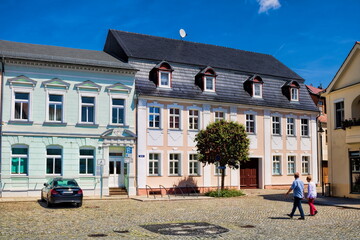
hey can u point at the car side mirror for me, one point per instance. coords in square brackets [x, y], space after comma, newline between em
[45, 184]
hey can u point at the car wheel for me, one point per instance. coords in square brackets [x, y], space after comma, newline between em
[42, 198]
[48, 204]
[79, 204]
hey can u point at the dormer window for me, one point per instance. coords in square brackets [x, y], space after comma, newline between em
[254, 86]
[161, 75]
[206, 79]
[291, 90]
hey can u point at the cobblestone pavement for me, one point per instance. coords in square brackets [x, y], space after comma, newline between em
[255, 216]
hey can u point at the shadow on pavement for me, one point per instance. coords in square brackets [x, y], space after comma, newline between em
[57, 206]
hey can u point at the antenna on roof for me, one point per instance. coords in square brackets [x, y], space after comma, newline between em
[182, 33]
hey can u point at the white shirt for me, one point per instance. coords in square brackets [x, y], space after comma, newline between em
[311, 190]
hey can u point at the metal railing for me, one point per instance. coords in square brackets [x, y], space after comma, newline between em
[177, 187]
[151, 191]
[193, 189]
[166, 191]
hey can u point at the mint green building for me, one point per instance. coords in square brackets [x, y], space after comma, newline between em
[65, 112]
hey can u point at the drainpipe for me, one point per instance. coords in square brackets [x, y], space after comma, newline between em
[1, 114]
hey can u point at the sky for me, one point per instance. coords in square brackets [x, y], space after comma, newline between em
[312, 37]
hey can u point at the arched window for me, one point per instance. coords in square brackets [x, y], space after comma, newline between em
[161, 75]
[19, 159]
[206, 79]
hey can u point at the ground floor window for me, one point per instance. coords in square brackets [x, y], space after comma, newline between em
[53, 161]
[19, 160]
[291, 165]
[194, 164]
[174, 164]
[276, 165]
[86, 161]
[154, 159]
[355, 171]
[305, 165]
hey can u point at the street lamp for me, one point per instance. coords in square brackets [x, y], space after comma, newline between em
[320, 131]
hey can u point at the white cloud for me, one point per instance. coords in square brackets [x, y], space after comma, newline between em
[266, 5]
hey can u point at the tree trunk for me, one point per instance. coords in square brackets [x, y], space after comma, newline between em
[222, 178]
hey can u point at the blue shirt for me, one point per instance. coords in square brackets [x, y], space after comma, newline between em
[298, 188]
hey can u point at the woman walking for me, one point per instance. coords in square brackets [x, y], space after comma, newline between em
[311, 195]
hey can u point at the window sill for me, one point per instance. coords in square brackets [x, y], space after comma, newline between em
[277, 175]
[251, 133]
[305, 136]
[90, 125]
[194, 175]
[276, 135]
[19, 122]
[291, 136]
[16, 175]
[54, 124]
[118, 125]
[193, 130]
[154, 175]
[173, 175]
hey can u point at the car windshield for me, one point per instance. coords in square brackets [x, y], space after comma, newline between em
[65, 183]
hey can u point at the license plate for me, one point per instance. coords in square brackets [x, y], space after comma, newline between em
[67, 192]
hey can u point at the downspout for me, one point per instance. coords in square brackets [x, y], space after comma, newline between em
[136, 142]
[1, 115]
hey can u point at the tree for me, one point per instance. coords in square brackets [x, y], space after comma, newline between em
[225, 143]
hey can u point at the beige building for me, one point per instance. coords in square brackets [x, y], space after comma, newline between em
[343, 106]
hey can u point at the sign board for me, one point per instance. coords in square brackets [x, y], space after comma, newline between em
[220, 167]
[128, 160]
[141, 156]
[101, 162]
[128, 150]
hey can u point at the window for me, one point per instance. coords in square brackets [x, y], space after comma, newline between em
[118, 111]
[53, 161]
[290, 122]
[193, 119]
[276, 165]
[304, 127]
[209, 83]
[194, 165]
[174, 164]
[291, 165]
[276, 127]
[87, 109]
[339, 114]
[355, 171]
[164, 79]
[19, 160]
[86, 161]
[22, 106]
[174, 118]
[257, 90]
[154, 117]
[219, 115]
[154, 161]
[55, 108]
[305, 165]
[250, 123]
[294, 96]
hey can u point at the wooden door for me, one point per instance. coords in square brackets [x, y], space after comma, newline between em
[325, 171]
[249, 174]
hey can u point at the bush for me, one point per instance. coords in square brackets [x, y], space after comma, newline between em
[225, 193]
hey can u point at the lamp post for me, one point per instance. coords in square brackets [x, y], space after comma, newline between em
[320, 131]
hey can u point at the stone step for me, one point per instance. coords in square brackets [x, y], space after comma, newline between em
[117, 191]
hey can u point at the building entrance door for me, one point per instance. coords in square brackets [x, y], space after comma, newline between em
[116, 172]
[249, 174]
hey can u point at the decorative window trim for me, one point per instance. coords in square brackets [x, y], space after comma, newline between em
[181, 108]
[88, 85]
[251, 82]
[56, 83]
[118, 88]
[200, 79]
[161, 108]
[17, 89]
[117, 96]
[155, 74]
[21, 81]
[198, 118]
[287, 90]
[55, 92]
[87, 94]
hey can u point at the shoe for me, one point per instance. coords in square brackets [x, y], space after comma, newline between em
[290, 215]
[312, 215]
[301, 218]
[315, 213]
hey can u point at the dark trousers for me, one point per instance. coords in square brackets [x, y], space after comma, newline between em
[297, 204]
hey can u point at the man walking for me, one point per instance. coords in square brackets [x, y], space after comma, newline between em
[298, 188]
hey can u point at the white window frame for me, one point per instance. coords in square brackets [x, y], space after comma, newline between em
[150, 171]
[249, 122]
[13, 100]
[114, 96]
[305, 127]
[191, 119]
[254, 86]
[341, 110]
[171, 170]
[289, 162]
[275, 123]
[213, 83]
[81, 105]
[276, 159]
[168, 73]
[87, 157]
[61, 93]
[173, 117]
[191, 167]
[53, 158]
[291, 127]
[19, 156]
[294, 94]
[305, 162]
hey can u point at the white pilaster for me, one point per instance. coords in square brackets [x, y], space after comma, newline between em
[141, 146]
[233, 113]
[314, 149]
[207, 169]
[266, 161]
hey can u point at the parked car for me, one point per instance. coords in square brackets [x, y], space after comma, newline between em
[62, 190]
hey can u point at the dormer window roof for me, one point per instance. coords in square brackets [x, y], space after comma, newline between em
[291, 90]
[254, 86]
[161, 75]
[206, 79]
